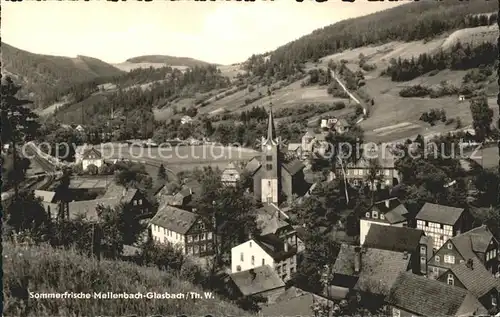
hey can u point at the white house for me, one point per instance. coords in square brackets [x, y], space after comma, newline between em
[266, 250]
[389, 212]
[182, 228]
[92, 157]
[186, 119]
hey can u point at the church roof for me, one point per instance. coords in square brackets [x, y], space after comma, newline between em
[294, 166]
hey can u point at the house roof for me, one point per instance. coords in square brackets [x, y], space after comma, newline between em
[46, 196]
[300, 305]
[474, 241]
[275, 247]
[92, 153]
[378, 271]
[294, 166]
[294, 146]
[258, 280]
[87, 208]
[175, 219]
[428, 297]
[394, 211]
[253, 165]
[393, 238]
[439, 214]
[270, 220]
[477, 280]
[117, 191]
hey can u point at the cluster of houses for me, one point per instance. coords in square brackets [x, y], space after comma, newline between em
[424, 264]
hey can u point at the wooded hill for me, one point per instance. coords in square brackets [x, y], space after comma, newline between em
[40, 74]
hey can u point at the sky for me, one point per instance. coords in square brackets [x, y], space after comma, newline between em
[219, 32]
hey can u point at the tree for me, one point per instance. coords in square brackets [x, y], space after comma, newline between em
[27, 214]
[482, 117]
[374, 175]
[229, 209]
[162, 173]
[18, 122]
[92, 169]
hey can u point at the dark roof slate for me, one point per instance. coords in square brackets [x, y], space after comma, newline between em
[477, 280]
[264, 279]
[175, 219]
[428, 297]
[393, 238]
[439, 214]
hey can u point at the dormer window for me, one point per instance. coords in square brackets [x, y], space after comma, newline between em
[367, 215]
[382, 217]
[449, 246]
[450, 279]
[374, 214]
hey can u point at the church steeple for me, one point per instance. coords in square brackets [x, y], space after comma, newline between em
[271, 130]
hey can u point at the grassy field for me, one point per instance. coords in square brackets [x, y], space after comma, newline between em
[47, 270]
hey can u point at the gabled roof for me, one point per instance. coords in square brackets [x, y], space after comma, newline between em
[393, 238]
[294, 166]
[378, 270]
[253, 165]
[474, 241]
[46, 196]
[88, 208]
[439, 214]
[476, 279]
[275, 247]
[428, 297]
[117, 191]
[258, 280]
[92, 153]
[269, 219]
[394, 211]
[175, 219]
[294, 302]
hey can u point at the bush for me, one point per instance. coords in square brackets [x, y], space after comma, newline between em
[415, 91]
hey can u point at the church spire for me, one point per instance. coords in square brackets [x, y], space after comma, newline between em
[271, 131]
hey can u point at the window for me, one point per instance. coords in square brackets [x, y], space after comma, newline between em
[422, 259]
[487, 256]
[202, 248]
[202, 236]
[177, 236]
[396, 312]
[250, 244]
[382, 217]
[437, 259]
[435, 270]
[423, 250]
[140, 201]
[195, 238]
[269, 183]
[190, 250]
[292, 270]
[190, 239]
[164, 231]
[367, 215]
[263, 261]
[462, 261]
[209, 236]
[449, 246]
[135, 202]
[374, 214]
[450, 279]
[269, 167]
[269, 158]
[238, 268]
[253, 260]
[449, 259]
[283, 277]
[196, 249]
[165, 240]
[241, 257]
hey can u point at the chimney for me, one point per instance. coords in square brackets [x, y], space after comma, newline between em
[285, 246]
[387, 203]
[253, 274]
[357, 259]
[470, 264]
